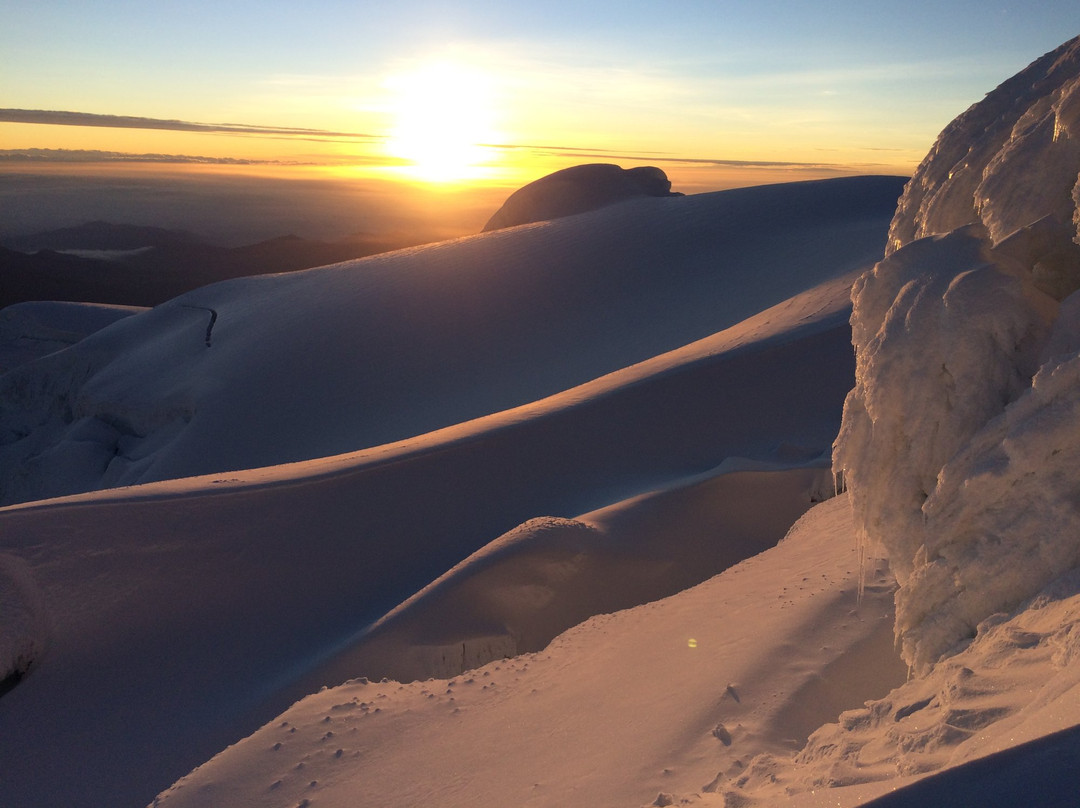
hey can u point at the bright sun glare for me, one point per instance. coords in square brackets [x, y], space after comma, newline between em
[443, 114]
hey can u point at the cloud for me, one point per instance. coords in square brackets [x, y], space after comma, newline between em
[60, 118]
[655, 157]
[96, 156]
[99, 156]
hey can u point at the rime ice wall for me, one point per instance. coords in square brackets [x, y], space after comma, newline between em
[1006, 162]
[961, 440]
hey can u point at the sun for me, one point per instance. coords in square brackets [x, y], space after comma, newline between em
[443, 126]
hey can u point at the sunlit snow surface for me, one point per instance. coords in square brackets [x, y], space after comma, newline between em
[260, 371]
[549, 421]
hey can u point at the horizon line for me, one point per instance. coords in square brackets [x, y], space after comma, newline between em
[98, 120]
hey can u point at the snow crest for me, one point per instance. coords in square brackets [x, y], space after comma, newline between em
[959, 440]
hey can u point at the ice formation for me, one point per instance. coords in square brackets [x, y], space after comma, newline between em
[959, 442]
[1008, 161]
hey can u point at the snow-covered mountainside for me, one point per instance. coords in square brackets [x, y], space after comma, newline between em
[273, 369]
[31, 330]
[203, 606]
[959, 441]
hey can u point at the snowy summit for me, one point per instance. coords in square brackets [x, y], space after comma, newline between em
[579, 189]
[601, 510]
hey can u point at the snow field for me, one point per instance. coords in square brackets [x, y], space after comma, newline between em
[616, 709]
[187, 612]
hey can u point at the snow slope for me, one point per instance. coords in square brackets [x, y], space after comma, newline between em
[273, 369]
[184, 613]
[704, 699]
[660, 698]
[31, 330]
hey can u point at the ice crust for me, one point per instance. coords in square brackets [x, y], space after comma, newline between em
[959, 440]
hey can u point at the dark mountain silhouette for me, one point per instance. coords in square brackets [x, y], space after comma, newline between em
[102, 236]
[153, 273]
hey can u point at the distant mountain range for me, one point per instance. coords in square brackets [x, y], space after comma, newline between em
[101, 236]
[103, 262]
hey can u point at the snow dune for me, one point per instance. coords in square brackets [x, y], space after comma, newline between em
[683, 339]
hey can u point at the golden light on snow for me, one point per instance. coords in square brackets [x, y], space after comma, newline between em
[443, 115]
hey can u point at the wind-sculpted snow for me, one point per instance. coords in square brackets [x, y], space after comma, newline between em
[576, 190]
[1013, 684]
[959, 441]
[1007, 162]
[946, 337]
[1002, 520]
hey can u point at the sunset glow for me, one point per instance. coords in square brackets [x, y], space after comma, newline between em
[418, 100]
[443, 116]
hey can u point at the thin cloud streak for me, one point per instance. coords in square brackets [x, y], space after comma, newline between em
[97, 156]
[61, 118]
[656, 157]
